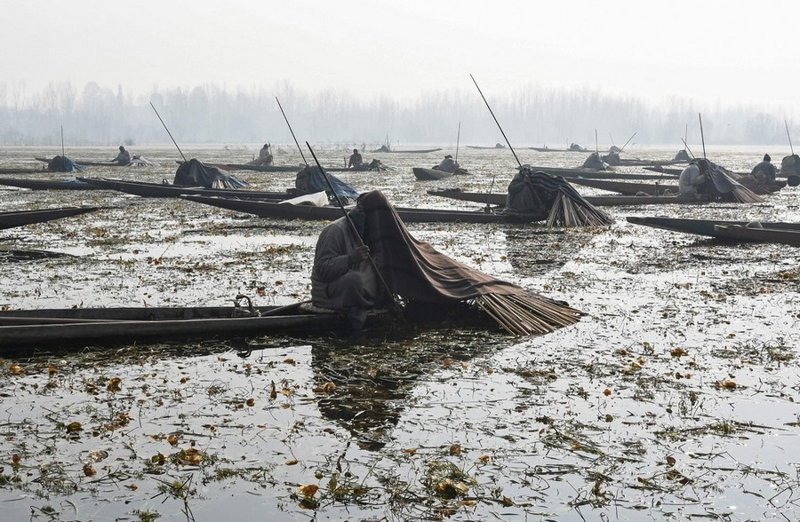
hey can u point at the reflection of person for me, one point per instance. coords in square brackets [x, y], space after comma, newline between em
[693, 178]
[342, 278]
[765, 171]
[123, 158]
[448, 164]
[355, 161]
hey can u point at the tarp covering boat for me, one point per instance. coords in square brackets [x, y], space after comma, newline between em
[62, 164]
[311, 180]
[539, 195]
[195, 173]
[416, 271]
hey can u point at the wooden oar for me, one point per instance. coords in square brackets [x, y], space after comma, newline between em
[396, 304]
[687, 147]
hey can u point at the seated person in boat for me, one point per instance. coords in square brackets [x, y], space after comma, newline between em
[790, 165]
[264, 156]
[765, 171]
[356, 161]
[575, 147]
[448, 164]
[693, 178]
[123, 158]
[682, 155]
[343, 278]
[612, 158]
[594, 162]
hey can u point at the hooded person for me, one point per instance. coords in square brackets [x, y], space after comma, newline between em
[448, 164]
[264, 156]
[682, 155]
[693, 179]
[612, 158]
[123, 158]
[765, 171]
[594, 162]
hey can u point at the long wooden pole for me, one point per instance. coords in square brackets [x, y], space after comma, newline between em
[168, 132]
[497, 122]
[596, 145]
[629, 140]
[290, 130]
[458, 139]
[355, 231]
[63, 161]
[786, 124]
[687, 147]
[702, 136]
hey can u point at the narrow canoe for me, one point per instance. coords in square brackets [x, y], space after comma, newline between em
[47, 184]
[764, 235]
[545, 149]
[596, 174]
[269, 168]
[28, 217]
[87, 163]
[598, 201]
[85, 326]
[417, 151]
[478, 147]
[5, 171]
[627, 188]
[704, 227]
[158, 190]
[424, 174]
[266, 209]
[649, 163]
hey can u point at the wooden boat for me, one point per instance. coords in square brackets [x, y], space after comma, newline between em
[498, 146]
[159, 190]
[269, 168]
[416, 151]
[7, 171]
[627, 188]
[649, 163]
[547, 149]
[267, 209]
[424, 174]
[714, 228]
[84, 326]
[47, 184]
[570, 173]
[759, 234]
[598, 201]
[87, 163]
[28, 217]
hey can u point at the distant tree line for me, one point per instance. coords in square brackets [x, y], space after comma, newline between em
[531, 115]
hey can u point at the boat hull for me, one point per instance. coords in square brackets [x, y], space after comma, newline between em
[157, 190]
[45, 184]
[28, 217]
[598, 201]
[704, 227]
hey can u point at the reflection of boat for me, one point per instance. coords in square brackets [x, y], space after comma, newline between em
[159, 190]
[84, 326]
[424, 174]
[47, 184]
[598, 201]
[28, 217]
[267, 209]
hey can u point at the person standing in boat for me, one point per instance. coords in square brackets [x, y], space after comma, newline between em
[355, 162]
[693, 178]
[448, 164]
[264, 156]
[765, 171]
[343, 278]
[123, 158]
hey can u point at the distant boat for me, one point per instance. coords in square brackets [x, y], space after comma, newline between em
[385, 149]
[478, 147]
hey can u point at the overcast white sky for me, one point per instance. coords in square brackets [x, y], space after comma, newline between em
[733, 52]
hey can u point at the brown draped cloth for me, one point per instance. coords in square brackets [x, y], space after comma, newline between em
[415, 270]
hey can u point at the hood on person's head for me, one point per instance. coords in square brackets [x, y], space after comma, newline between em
[767, 158]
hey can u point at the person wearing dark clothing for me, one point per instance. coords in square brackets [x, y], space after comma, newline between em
[123, 158]
[765, 171]
[355, 161]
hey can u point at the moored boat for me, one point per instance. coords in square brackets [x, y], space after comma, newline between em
[598, 201]
[159, 190]
[628, 188]
[713, 228]
[28, 217]
[596, 174]
[47, 184]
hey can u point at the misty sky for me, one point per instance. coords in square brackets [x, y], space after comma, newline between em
[708, 50]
